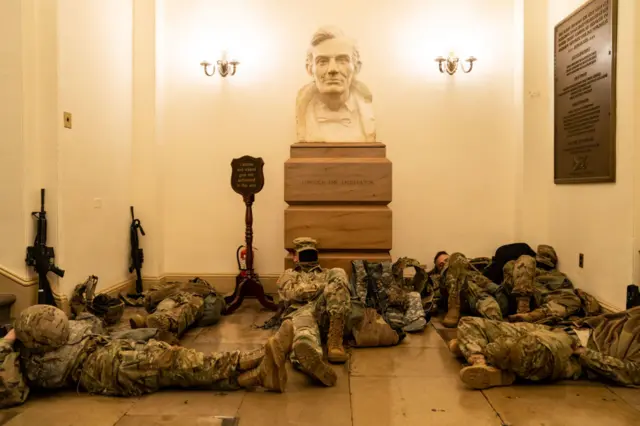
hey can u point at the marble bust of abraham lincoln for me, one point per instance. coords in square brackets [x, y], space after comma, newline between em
[335, 106]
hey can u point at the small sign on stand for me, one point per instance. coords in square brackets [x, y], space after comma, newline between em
[247, 179]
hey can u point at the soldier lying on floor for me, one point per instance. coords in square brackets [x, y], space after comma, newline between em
[601, 347]
[177, 306]
[465, 289]
[537, 282]
[47, 350]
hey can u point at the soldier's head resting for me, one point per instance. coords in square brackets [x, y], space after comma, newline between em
[42, 327]
[305, 250]
[440, 260]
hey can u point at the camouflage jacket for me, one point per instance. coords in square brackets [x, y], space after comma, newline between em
[300, 285]
[22, 368]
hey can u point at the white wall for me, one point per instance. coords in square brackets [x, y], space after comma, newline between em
[95, 78]
[12, 160]
[452, 140]
[594, 219]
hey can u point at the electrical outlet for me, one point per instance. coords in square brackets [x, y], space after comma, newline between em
[67, 119]
[581, 260]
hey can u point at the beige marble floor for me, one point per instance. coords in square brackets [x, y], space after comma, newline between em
[415, 383]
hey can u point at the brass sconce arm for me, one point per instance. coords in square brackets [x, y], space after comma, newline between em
[471, 60]
[225, 68]
[451, 64]
[206, 64]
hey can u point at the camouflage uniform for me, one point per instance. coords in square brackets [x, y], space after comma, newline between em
[312, 295]
[467, 289]
[397, 298]
[539, 283]
[538, 352]
[53, 352]
[176, 306]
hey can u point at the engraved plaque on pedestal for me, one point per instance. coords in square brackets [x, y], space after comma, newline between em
[338, 194]
[585, 94]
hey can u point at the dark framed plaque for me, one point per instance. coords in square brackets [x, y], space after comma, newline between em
[585, 94]
[247, 175]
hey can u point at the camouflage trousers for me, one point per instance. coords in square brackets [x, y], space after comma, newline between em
[308, 319]
[129, 368]
[481, 302]
[496, 339]
[561, 304]
[523, 276]
[335, 298]
[177, 313]
[523, 282]
[474, 291]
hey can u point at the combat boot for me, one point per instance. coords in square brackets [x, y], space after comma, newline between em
[251, 359]
[453, 314]
[336, 352]
[311, 362]
[138, 321]
[523, 305]
[479, 375]
[270, 374]
[454, 348]
[532, 316]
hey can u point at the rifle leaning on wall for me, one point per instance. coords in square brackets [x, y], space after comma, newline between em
[41, 257]
[137, 256]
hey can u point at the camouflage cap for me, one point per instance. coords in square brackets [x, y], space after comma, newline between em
[304, 243]
[42, 327]
[546, 255]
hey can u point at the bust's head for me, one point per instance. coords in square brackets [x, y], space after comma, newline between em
[333, 61]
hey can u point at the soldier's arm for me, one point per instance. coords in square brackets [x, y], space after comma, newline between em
[286, 288]
[624, 372]
[13, 388]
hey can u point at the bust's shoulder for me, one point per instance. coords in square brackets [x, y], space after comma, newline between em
[306, 93]
[362, 91]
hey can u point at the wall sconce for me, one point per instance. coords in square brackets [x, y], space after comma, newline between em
[452, 62]
[224, 67]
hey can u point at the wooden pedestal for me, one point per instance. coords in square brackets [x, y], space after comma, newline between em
[338, 194]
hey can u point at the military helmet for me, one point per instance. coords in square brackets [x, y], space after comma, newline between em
[530, 358]
[109, 308]
[42, 327]
[547, 256]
